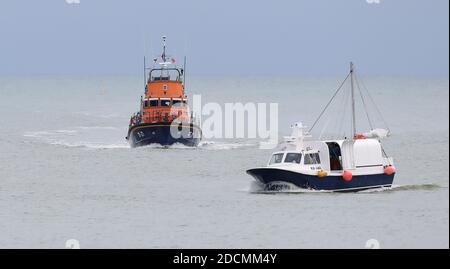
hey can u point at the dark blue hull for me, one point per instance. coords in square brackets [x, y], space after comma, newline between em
[159, 133]
[328, 183]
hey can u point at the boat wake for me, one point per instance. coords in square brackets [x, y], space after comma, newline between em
[395, 188]
[284, 187]
[92, 137]
[279, 187]
[213, 145]
[107, 137]
[159, 146]
[203, 145]
[91, 145]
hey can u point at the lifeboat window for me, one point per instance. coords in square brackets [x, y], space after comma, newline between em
[176, 102]
[161, 78]
[165, 102]
[153, 102]
[276, 158]
[145, 103]
[293, 158]
[312, 158]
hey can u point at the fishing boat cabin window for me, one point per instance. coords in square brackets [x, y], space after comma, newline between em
[312, 158]
[293, 158]
[276, 158]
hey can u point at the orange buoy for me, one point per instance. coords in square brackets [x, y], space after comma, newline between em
[321, 174]
[347, 176]
[389, 170]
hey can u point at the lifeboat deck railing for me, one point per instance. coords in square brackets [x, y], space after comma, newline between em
[138, 119]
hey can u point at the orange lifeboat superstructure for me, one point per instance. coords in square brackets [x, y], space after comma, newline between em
[164, 116]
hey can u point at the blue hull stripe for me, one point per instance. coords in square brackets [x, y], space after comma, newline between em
[329, 183]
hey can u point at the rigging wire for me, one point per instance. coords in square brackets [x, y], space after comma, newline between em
[332, 122]
[323, 129]
[329, 102]
[346, 99]
[364, 103]
[339, 116]
[378, 111]
[385, 155]
[375, 105]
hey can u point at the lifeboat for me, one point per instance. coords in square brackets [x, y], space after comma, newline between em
[164, 117]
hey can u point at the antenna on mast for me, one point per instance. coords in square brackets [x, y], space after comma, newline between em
[163, 56]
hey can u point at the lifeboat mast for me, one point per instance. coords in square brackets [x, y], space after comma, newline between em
[164, 66]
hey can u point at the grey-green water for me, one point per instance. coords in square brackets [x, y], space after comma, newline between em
[66, 171]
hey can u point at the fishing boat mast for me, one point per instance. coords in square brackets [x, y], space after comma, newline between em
[353, 100]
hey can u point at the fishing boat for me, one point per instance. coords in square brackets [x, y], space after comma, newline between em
[354, 163]
[164, 117]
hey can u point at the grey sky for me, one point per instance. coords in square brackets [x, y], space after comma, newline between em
[301, 37]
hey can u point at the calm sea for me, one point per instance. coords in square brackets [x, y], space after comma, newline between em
[66, 171]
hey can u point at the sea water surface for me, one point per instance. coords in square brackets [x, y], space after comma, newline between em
[66, 171]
